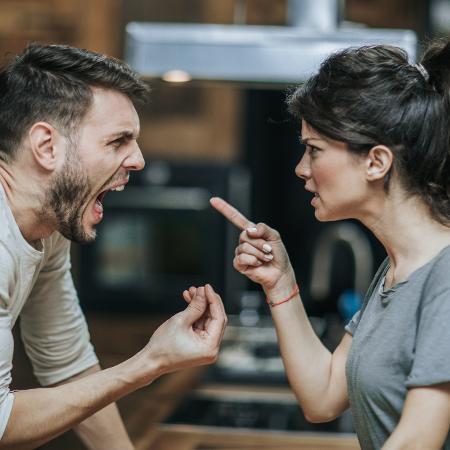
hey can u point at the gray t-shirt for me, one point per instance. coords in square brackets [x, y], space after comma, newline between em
[401, 340]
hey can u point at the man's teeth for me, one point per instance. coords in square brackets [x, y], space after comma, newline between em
[119, 188]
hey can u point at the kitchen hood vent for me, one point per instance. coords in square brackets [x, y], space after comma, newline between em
[250, 53]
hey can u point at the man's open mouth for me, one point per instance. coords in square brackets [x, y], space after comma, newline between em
[101, 196]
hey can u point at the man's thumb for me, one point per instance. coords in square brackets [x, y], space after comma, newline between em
[197, 306]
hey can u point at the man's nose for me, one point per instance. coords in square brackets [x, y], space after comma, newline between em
[303, 168]
[135, 161]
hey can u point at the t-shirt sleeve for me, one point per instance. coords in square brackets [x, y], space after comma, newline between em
[432, 350]
[352, 325]
[6, 340]
[53, 327]
[6, 354]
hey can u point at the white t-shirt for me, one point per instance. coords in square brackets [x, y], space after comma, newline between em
[37, 284]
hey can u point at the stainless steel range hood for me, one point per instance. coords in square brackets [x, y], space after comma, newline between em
[248, 53]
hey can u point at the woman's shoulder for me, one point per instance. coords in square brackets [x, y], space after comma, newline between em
[437, 277]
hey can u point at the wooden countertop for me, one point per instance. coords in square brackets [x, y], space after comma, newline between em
[117, 338]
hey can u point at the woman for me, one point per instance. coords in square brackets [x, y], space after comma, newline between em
[376, 130]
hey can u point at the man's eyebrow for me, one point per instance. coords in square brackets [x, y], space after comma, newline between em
[128, 134]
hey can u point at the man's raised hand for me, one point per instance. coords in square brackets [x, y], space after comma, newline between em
[193, 336]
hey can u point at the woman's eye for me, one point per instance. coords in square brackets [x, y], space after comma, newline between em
[313, 151]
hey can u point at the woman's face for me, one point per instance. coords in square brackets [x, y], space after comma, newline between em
[334, 175]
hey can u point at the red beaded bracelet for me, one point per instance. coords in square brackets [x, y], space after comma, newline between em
[284, 300]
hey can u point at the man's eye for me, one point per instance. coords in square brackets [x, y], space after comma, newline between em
[117, 143]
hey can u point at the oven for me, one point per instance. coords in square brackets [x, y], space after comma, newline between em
[160, 236]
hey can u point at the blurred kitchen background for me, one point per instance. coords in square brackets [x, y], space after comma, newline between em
[217, 124]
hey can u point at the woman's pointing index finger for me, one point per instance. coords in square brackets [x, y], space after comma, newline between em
[231, 213]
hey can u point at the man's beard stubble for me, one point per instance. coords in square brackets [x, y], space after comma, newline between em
[67, 197]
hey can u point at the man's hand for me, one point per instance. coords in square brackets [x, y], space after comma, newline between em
[191, 337]
[260, 255]
[179, 342]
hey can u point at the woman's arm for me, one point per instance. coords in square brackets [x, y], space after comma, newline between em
[316, 375]
[425, 420]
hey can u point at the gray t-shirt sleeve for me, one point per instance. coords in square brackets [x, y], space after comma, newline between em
[432, 350]
[53, 327]
[6, 339]
[352, 325]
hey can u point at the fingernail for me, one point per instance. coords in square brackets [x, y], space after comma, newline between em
[269, 257]
[252, 230]
[267, 248]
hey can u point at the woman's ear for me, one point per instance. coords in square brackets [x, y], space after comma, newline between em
[379, 162]
[42, 137]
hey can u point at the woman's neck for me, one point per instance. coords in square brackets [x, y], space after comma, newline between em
[411, 236]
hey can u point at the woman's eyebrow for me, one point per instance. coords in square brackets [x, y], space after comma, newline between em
[305, 141]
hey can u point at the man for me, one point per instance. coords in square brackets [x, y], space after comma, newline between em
[68, 131]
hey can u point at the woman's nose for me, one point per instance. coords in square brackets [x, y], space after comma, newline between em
[303, 168]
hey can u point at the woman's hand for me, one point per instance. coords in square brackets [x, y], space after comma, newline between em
[260, 255]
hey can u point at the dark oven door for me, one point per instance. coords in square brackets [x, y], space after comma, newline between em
[156, 241]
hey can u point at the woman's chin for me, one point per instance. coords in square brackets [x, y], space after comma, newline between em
[322, 216]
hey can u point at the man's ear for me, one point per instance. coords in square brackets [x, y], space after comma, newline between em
[42, 138]
[379, 162]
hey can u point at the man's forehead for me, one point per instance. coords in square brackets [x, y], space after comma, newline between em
[111, 113]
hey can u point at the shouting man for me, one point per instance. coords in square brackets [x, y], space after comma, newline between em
[68, 131]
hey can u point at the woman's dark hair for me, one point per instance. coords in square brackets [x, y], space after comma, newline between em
[53, 83]
[372, 95]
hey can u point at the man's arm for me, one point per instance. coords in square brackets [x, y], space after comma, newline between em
[39, 415]
[104, 429]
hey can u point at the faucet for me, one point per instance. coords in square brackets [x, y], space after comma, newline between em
[359, 245]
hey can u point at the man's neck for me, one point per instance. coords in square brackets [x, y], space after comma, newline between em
[24, 195]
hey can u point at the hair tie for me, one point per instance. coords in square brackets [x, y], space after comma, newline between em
[422, 71]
